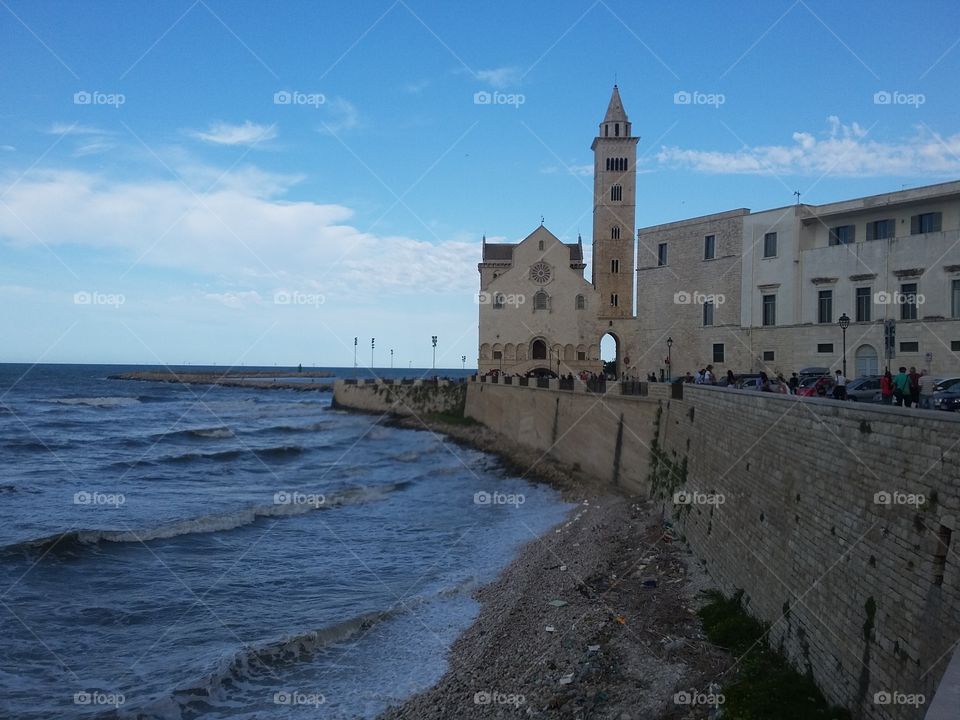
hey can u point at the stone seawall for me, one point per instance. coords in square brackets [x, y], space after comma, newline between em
[811, 507]
[405, 398]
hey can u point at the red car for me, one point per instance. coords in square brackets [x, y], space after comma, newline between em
[816, 387]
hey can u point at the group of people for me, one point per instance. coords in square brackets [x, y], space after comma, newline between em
[907, 388]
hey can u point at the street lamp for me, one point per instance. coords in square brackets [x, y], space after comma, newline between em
[463, 360]
[391, 358]
[669, 358]
[844, 323]
[355, 353]
[433, 338]
[373, 343]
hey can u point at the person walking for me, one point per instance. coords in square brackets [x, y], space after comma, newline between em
[840, 387]
[708, 376]
[731, 379]
[914, 387]
[901, 388]
[765, 383]
[794, 383]
[927, 384]
[886, 388]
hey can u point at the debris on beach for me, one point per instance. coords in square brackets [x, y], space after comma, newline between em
[558, 603]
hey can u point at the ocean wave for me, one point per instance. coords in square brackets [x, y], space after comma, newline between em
[75, 540]
[100, 402]
[312, 427]
[218, 432]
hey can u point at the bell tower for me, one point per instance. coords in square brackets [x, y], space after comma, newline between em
[614, 211]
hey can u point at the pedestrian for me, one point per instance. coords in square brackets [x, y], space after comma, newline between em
[901, 388]
[927, 384]
[765, 383]
[689, 378]
[698, 378]
[708, 377]
[840, 387]
[886, 387]
[794, 383]
[731, 379]
[914, 386]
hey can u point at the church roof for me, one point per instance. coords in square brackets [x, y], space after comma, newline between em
[615, 111]
[503, 252]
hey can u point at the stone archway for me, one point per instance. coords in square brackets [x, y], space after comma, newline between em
[610, 351]
[538, 350]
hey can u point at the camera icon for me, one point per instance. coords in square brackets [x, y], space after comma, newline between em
[682, 698]
[282, 498]
[484, 298]
[282, 97]
[282, 697]
[682, 298]
[82, 98]
[682, 497]
[882, 97]
[482, 698]
[882, 298]
[882, 498]
[482, 97]
[682, 97]
[81, 298]
[482, 498]
[82, 498]
[882, 698]
[282, 297]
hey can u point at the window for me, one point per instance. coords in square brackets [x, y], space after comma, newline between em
[581, 355]
[539, 350]
[824, 347]
[770, 245]
[910, 347]
[954, 345]
[616, 129]
[615, 232]
[843, 234]
[540, 245]
[540, 301]
[498, 355]
[864, 303]
[955, 299]
[825, 306]
[617, 164]
[926, 223]
[768, 355]
[616, 193]
[614, 300]
[661, 254]
[769, 309]
[709, 247]
[581, 302]
[708, 313]
[718, 352]
[498, 299]
[614, 266]
[908, 301]
[881, 229]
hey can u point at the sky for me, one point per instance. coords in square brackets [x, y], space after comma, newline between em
[238, 182]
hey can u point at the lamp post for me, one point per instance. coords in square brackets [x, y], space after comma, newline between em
[463, 360]
[391, 358]
[433, 339]
[373, 343]
[844, 323]
[669, 359]
[355, 353]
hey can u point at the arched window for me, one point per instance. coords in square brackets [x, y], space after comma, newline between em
[615, 266]
[541, 301]
[615, 232]
[540, 245]
[606, 130]
[581, 302]
[616, 193]
[539, 350]
[616, 129]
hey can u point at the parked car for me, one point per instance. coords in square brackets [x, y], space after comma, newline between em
[948, 400]
[815, 386]
[945, 389]
[864, 389]
[753, 383]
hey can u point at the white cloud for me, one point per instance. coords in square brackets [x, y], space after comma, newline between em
[843, 150]
[248, 133]
[243, 228]
[342, 115]
[236, 300]
[415, 88]
[501, 77]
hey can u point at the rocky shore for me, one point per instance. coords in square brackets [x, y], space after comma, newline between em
[596, 619]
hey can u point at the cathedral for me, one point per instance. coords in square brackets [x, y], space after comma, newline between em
[538, 313]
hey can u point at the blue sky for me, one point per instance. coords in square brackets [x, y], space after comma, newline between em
[159, 202]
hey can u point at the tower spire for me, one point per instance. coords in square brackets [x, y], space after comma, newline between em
[615, 111]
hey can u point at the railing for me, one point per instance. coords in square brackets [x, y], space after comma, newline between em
[597, 385]
[633, 387]
[524, 382]
[508, 380]
[566, 384]
[543, 382]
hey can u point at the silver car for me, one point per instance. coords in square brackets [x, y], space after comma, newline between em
[864, 389]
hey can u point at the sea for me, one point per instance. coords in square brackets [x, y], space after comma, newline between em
[175, 552]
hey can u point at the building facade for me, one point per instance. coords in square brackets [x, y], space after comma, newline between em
[741, 290]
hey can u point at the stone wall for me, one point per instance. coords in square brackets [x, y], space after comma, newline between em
[400, 398]
[859, 593]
